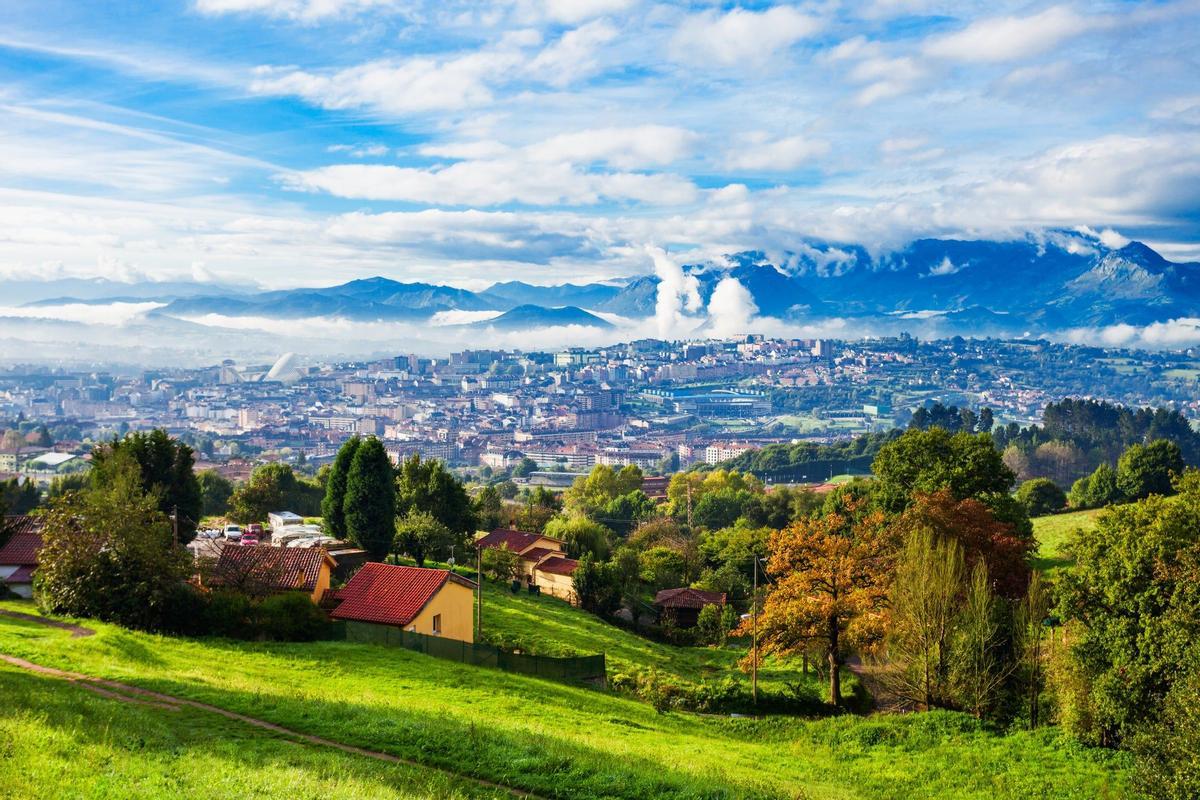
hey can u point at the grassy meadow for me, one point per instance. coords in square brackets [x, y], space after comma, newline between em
[548, 626]
[552, 739]
[1053, 532]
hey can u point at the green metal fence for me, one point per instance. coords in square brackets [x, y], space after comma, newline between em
[579, 668]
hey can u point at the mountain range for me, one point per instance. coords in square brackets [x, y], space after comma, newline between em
[1050, 283]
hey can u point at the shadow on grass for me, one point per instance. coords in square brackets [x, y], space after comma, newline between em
[173, 738]
[540, 764]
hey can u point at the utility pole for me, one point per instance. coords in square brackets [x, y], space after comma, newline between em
[478, 593]
[175, 524]
[754, 628]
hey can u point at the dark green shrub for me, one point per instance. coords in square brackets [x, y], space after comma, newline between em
[230, 614]
[185, 611]
[291, 617]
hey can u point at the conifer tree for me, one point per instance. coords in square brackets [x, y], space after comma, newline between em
[333, 505]
[370, 502]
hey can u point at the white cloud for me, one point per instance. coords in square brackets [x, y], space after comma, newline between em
[359, 150]
[575, 11]
[678, 295]
[947, 267]
[492, 182]
[305, 10]
[902, 144]
[758, 151]
[395, 86]
[731, 308]
[1008, 38]
[740, 35]
[572, 57]
[626, 148]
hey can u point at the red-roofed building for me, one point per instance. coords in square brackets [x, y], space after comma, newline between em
[21, 540]
[543, 560]
[683, 605]
[272, 570]
[435, 602]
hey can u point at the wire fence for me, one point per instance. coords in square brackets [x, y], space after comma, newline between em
[577, 668]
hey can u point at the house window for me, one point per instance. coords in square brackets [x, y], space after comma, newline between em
[437, 623]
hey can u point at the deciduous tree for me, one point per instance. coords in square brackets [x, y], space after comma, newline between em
[830, 588]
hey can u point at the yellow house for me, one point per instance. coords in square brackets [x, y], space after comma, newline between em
[543, 560]
[435, 602]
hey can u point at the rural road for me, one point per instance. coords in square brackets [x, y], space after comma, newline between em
[125, 693]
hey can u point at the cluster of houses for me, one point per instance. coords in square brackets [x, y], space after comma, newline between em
[434, 602]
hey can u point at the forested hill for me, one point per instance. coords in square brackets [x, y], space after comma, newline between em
[1074, 437]
[808, 461]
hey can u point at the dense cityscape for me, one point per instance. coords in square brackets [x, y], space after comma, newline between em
[655, 404]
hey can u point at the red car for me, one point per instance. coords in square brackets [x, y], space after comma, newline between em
[249, 539]
[254, 529]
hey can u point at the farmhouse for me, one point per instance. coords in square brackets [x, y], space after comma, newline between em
[18, 555]
[434, 602]
[543, 560]
[272, 570]
[683, 605]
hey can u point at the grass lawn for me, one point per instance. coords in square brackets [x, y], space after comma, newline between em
[1052, 533]
[554, 739]
[548, 626]
[58, 740]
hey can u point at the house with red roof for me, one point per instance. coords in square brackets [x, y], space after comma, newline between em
[434, 602]
[20, 541]
[262, 571]
[543, 559]
[682, 606]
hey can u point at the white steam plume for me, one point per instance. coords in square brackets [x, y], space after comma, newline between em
[731, 308]
[677, 293]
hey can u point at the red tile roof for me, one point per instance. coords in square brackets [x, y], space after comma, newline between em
[389, 594]
[516, 541]
[284, 567]
[538, 553]
[24, 574]
[24, 541]
[558, 565]
[688, 598]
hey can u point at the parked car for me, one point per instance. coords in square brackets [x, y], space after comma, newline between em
[254, 529]
[249, 540]
[208, 533]
[233, 532]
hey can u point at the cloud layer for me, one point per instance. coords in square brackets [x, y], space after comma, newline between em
[310, 141]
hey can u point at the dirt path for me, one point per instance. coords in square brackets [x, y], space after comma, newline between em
[76, 630]
[125, 693]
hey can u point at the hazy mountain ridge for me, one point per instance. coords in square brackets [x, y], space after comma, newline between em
[1054, 283]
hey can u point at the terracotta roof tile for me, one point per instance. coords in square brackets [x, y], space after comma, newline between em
[285, 567]
[515, 540]
[558, 565]
[389, 594]
[538, 553]
[688, 598]
[25, 539]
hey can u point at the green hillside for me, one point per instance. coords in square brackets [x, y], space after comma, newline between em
[59, 740]
[548, 626]
[1053, 532]
[552, 739]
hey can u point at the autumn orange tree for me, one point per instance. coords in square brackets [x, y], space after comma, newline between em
[981, 536]
[830, 581]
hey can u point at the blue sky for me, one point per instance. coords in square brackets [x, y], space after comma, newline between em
[291, 142]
